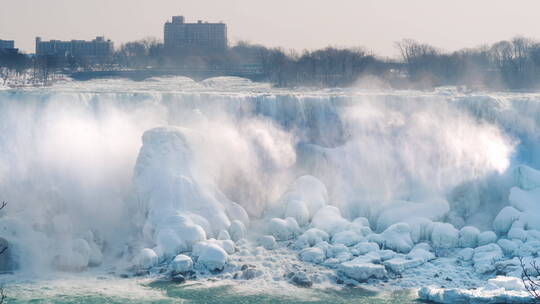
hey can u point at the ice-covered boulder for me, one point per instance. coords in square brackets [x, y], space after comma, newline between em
[347, 238]
[421, 229]
[281, 229]
[444, 236]
[504, 220]
[517, 234]
[311, 237]
[397, 237]
[210, 255]
[298, 210]
[486, 237]
[224, 235]
[178, 233]
[267, 241]
[312, 255]
[146, 258]
[237, 230]
[485, 257]
[465, 254]
[181, 263]
[468, 237]
[329, 219]
[361, 270]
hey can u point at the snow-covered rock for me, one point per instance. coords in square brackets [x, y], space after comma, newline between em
[468, 237]
[312, 255]
[182, 263]
[508, 247]
[402, 211]
[444, 236]
[397, 237]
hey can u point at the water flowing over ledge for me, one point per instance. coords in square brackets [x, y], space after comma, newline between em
[248, 182]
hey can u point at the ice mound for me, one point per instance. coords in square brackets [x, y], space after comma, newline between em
[183, 206]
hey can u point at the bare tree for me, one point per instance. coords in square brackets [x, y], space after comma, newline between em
[530, 276]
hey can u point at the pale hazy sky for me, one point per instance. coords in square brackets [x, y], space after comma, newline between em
[300, 24]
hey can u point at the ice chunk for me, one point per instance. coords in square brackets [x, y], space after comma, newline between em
[504, 220]
[361, 270]
[487, 237]
[347, 238]
[397, 237]
[312, 255]
[485, 257]
[182, 263]
[444, 235]
[468, 236]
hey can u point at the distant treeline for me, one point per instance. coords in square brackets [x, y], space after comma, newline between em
[513, 64]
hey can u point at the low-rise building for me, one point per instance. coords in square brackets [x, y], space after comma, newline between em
[98, 48]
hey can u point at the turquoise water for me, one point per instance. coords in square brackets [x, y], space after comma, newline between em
[172, 293]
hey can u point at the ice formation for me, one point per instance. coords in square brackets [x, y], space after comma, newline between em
[408, 187]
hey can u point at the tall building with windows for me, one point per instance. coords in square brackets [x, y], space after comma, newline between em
[7, 44]
[98, 48]
[201, 35]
